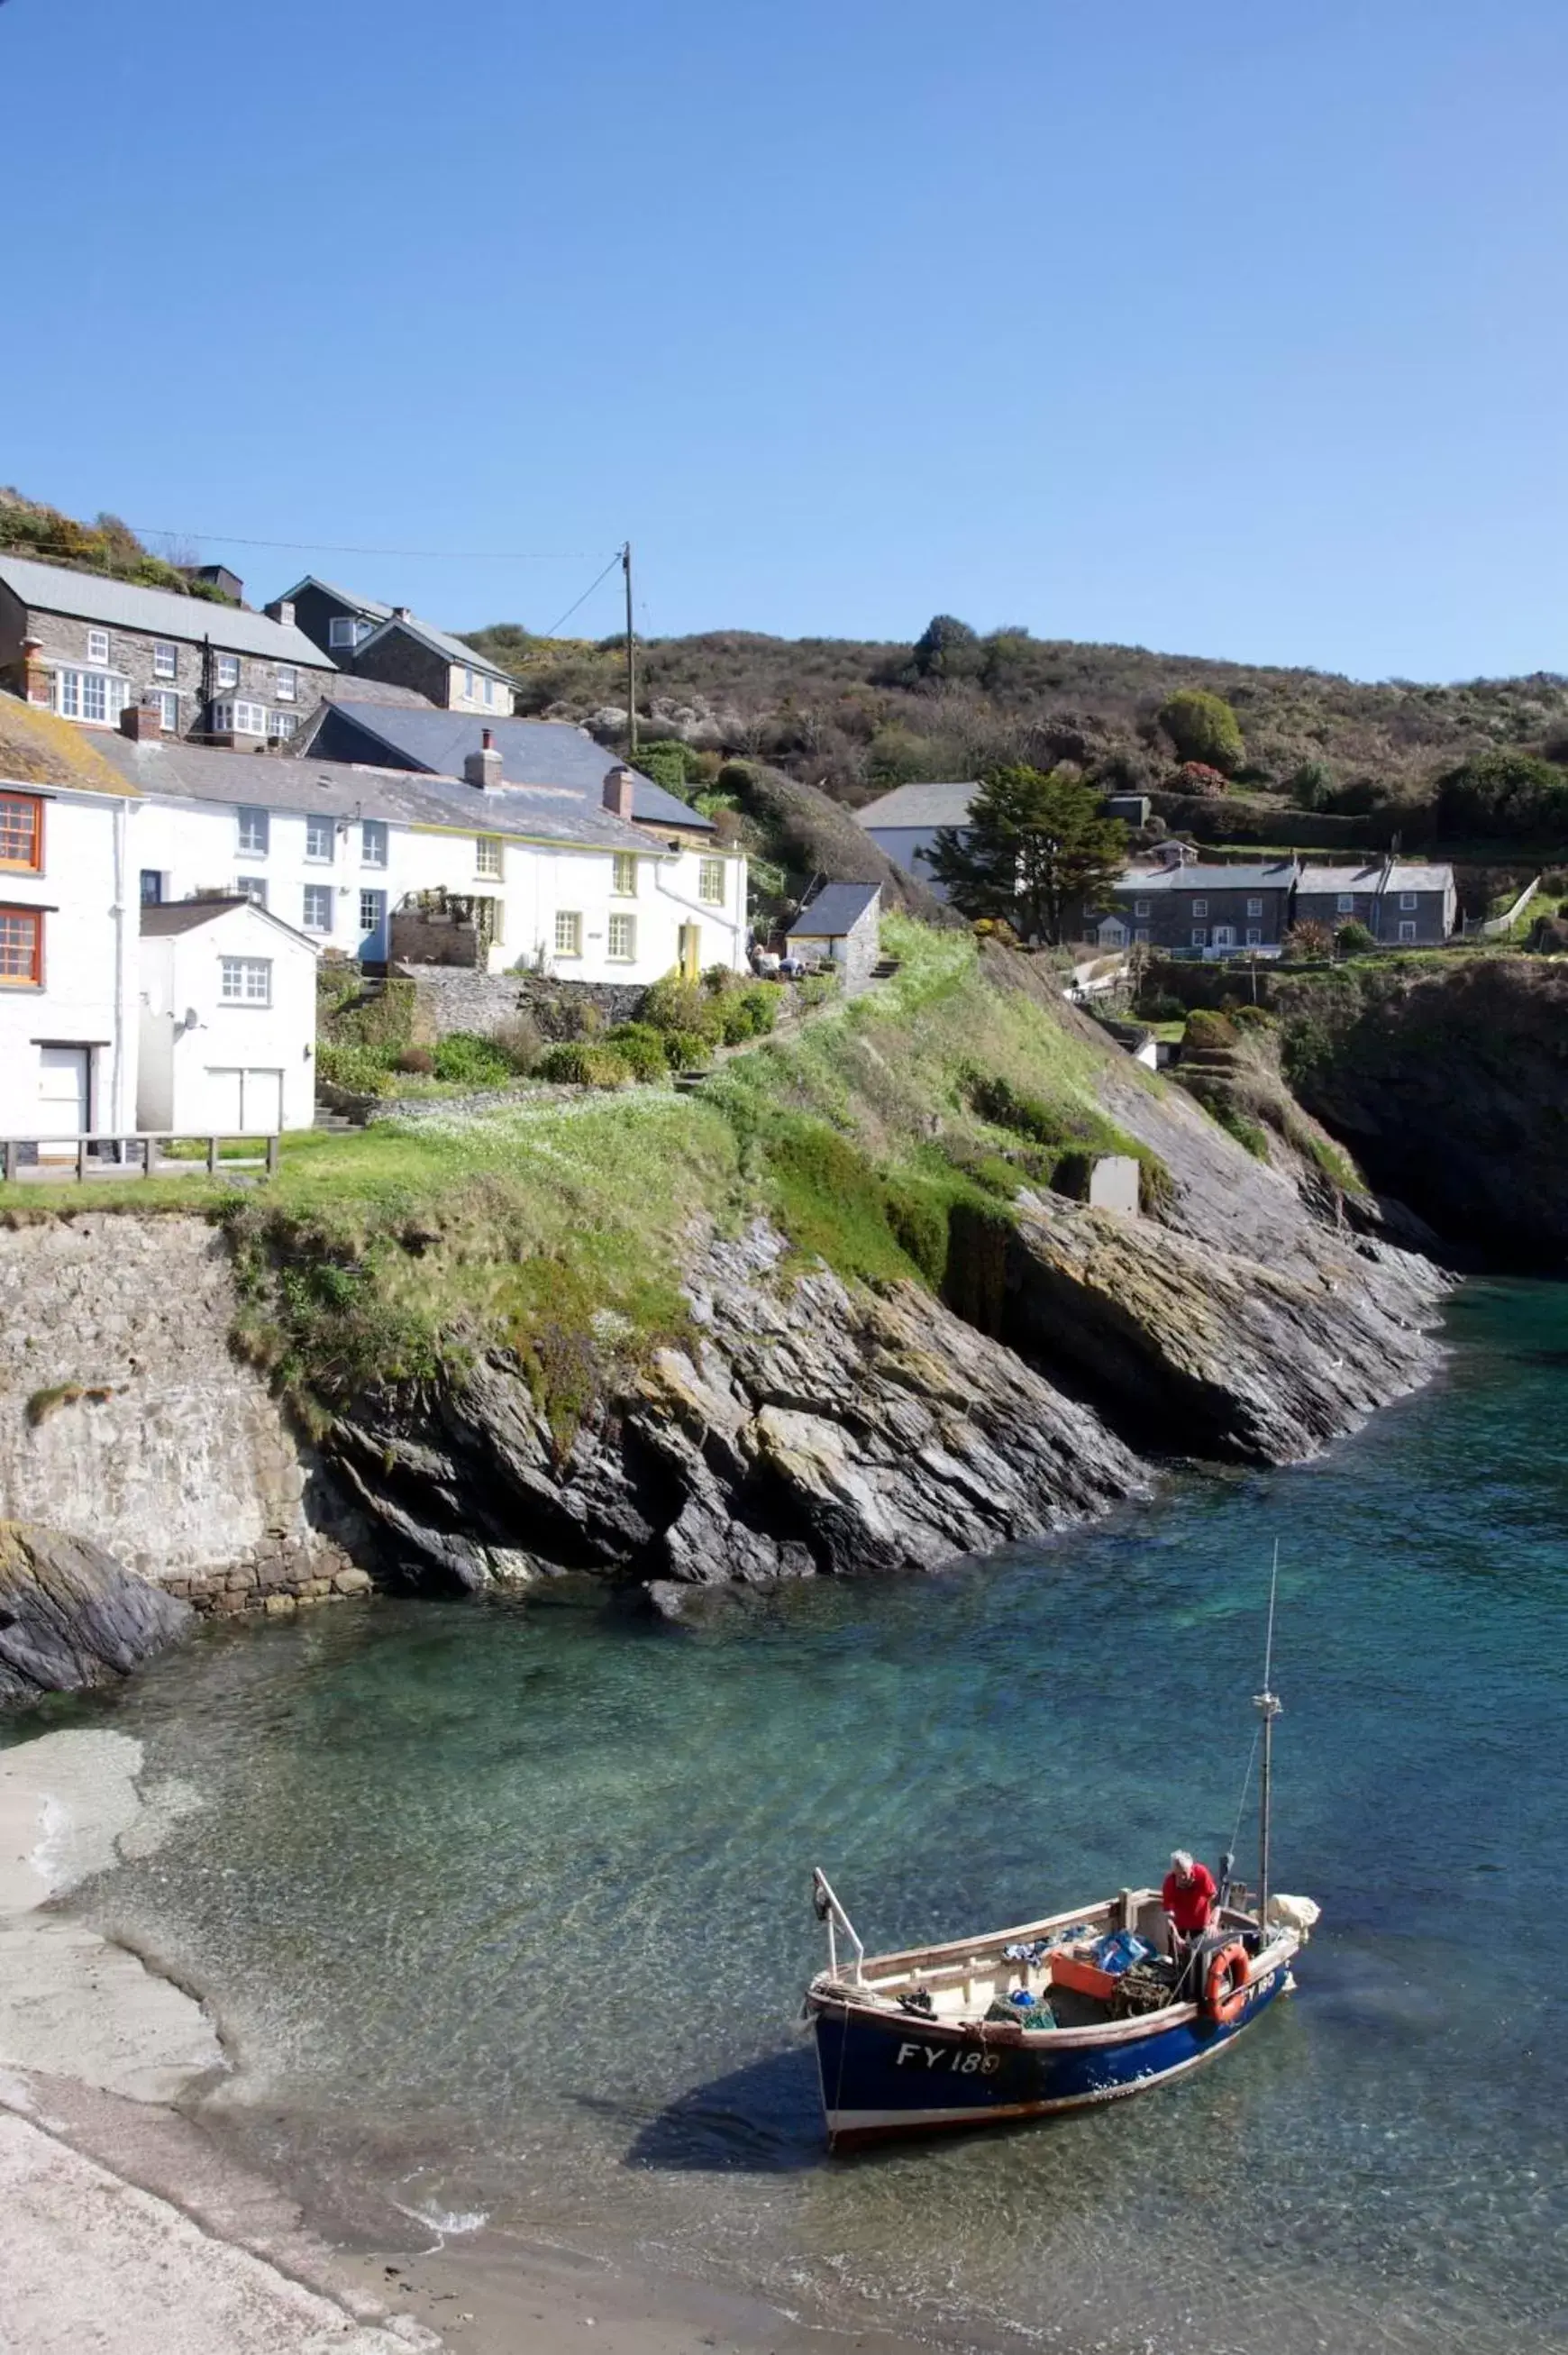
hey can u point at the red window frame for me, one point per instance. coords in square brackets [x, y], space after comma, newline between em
[34, 978]
[32, 805]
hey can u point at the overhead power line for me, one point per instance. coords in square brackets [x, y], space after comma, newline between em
[555, 626]
[345, 548]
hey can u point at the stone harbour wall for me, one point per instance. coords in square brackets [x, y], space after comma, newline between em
[126, 1419]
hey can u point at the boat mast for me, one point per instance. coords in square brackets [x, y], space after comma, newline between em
[1267, 1703]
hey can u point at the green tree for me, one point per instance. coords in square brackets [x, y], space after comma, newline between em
[1036, 850]
[1310, 785]
[1203, 727]
[946, 648]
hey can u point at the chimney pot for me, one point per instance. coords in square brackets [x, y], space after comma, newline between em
[401, 613]
[620, 784]
[486, 739]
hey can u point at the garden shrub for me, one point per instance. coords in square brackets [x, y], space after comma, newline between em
[686, 1050]
[641, 1047]
[363, 1070]
[418, 1060]
[1353, 938]
[1207, 1030]
[574, 1062]
[519, 1040]
[816, 988]
[472, 1060]
[677, 1004]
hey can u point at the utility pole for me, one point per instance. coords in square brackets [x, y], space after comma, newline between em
[631, 659]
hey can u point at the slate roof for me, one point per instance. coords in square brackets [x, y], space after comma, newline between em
[39, 747]
[369, 606]
[550, 752]
[837, 909]
[1405, 875]
[920, 805]
[450, 649]
[169, 917]
[342, 688]
[342, 789]
[1143, 882]
[157, 612]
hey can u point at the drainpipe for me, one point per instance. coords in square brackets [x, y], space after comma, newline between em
[119, 1052]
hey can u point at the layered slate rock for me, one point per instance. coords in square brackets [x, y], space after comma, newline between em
[812, 1429]
[71, 1617]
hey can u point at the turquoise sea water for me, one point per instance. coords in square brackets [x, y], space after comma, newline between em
[506, 1907]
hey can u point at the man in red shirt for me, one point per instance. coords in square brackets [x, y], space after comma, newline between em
[1188, 1896]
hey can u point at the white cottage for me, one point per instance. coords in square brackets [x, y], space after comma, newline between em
[228, 1020]
[66, 937]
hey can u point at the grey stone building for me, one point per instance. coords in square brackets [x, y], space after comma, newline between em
[1403, 904]
[842, 922]
[389, 644]
[1201, 911]
[86, 647]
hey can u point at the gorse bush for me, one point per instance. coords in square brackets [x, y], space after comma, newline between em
[641, 1047]
[1203, 728]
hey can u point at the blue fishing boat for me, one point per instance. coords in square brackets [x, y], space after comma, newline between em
[1082, 2007]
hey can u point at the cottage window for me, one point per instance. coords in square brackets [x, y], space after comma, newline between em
[373, 842]
[254, 829]
[97, 645]
[166, 660]
[165, 702]
[624, 938]
[1345, 904]
[710, 882]
[21, 948]
[489, 690]
[239, 719]
[281, 725]
[1255, 936]
[318, 898]
[288, 683]
[1141, 935]
[1200, 907]
[468, 682]
[1407, 931]
[1143, 907]
[372, 905]
[253, 888]
[320, 840]
[487, 854]
[245, 981]
[89, 695]
[624, 883]
[22, 832]
[1408, 900]
[1200, 936]
[227, 671]
[1254, 907]
[568, 933]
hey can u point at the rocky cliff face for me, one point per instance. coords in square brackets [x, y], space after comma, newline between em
[71, 1617]
[820, 1428]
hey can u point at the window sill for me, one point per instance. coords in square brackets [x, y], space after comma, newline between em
[18, 866]
[7, 981]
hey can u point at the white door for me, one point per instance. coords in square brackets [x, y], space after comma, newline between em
[244, 1104]
[1224, 936]
[260, 1103]
[62, 1091]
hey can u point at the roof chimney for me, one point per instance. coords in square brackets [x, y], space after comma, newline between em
[142, 722]
[483, 768]
[402, 613]
[280, 610]
[620, 784]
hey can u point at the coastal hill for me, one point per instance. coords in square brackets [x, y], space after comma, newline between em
[858, 718]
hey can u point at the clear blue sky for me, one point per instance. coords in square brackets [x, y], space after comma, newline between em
[1234, 328]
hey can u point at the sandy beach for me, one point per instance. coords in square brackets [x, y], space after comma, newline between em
[125, 2226]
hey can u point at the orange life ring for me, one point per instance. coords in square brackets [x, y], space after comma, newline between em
[1225, 1986]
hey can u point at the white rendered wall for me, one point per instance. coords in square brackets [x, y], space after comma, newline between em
[195, 847]
[183, 975]
[89, 964]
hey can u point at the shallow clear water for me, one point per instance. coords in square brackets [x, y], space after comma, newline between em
[506, 1907]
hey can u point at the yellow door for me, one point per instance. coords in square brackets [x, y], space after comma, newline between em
[691, 951]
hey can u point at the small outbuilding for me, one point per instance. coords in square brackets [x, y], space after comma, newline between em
[228, 1020]
[842, 922]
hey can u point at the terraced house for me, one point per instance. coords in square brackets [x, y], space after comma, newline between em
[91, 649]
[392, 645]
[1210, 911]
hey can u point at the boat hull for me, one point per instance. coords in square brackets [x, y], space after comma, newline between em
[883, 2077]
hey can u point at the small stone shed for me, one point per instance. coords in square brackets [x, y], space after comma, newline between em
[841, 921]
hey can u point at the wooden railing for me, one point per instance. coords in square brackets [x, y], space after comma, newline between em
[131, 1153]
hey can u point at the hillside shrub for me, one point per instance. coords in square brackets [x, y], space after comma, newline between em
[641, 1047]
[1206, 1030]
[519, 1040]
[1252, 1017]
[417, 1059]
[916, 1211]
[1503, 794]
[1203, 728]
[1196, 778]
[1353, 938]
[472, 1060]
[675, 1004]
[686, 1050]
